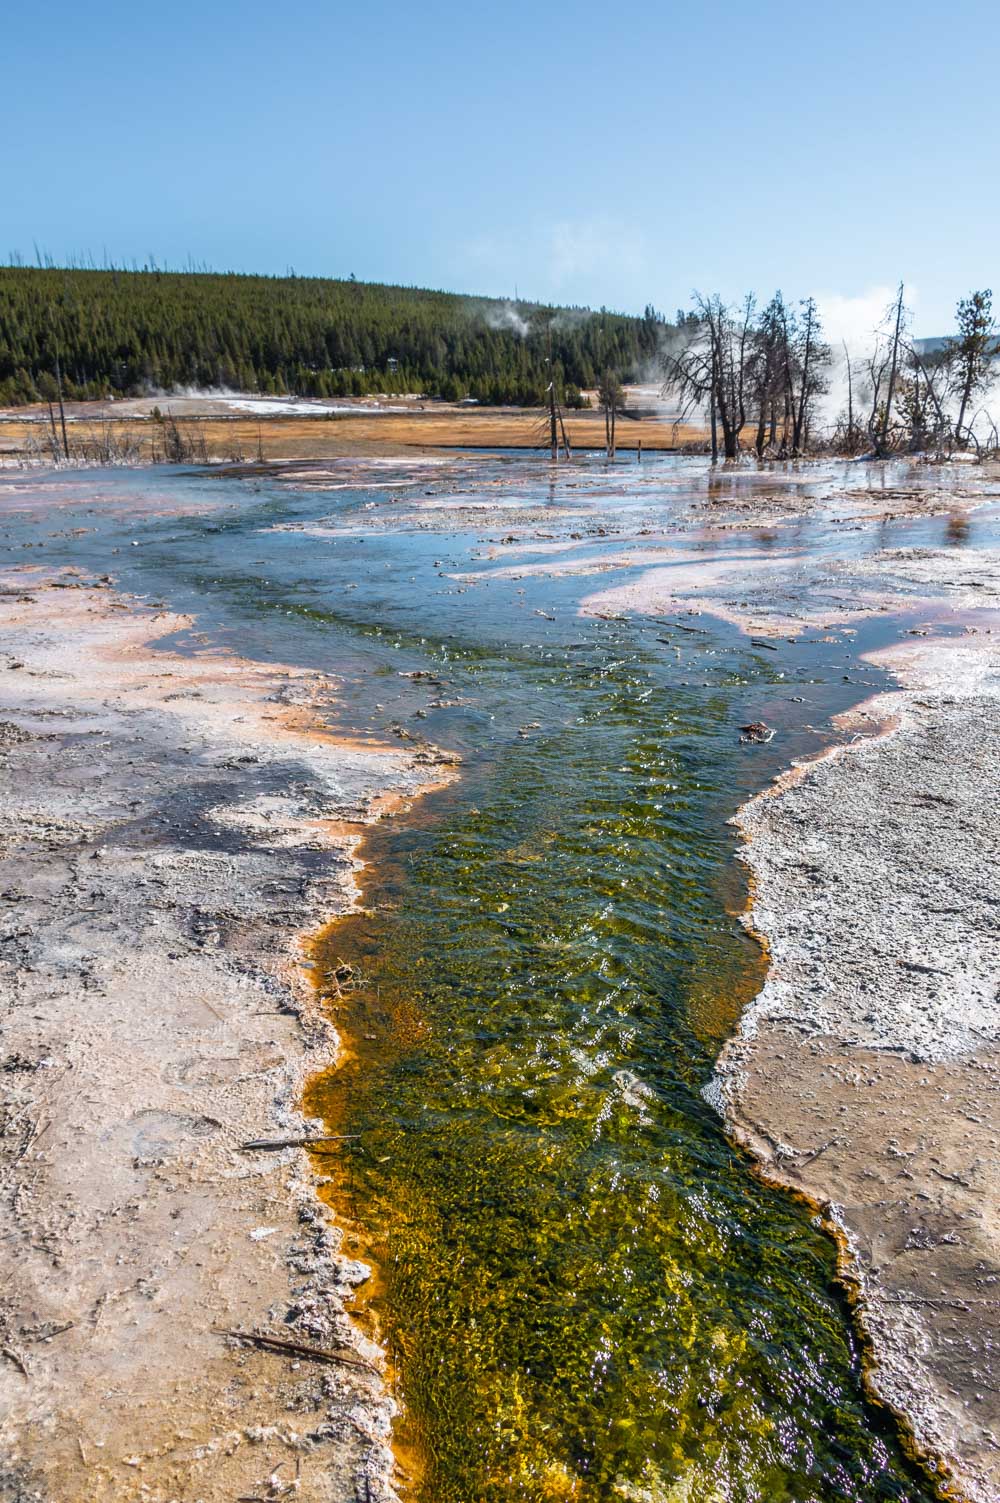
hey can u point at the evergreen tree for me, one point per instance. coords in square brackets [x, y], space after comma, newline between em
[972, 351]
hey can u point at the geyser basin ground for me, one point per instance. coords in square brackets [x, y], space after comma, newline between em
[586, 1290]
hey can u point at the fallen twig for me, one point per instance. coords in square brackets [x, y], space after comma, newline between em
[271, 1145]
[284, 1347]
[954, 1179]
[701, 630]
[57, 1331]
[15, 1357]
[807, 1158]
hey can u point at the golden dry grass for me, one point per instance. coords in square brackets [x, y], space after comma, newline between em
[296, 437]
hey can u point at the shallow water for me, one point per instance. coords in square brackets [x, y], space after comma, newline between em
[590, 1294]
[587, 1292]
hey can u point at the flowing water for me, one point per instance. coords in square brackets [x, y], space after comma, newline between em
[587, 1292]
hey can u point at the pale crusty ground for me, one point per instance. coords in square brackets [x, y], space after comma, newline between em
[867, 1072]
[164, 837]
[782, 593]
[163, 840]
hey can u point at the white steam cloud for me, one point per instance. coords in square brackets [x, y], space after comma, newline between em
[507, 316]
[857, 322]
[854, 322]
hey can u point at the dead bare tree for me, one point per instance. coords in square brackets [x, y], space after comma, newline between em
[62, 408]
[851, 436]
[875, 368]
[733, 347]
[52, 432]
[880, 431]
[768, 369]
[813, 355]
[106, 443]
[929, 421]
[178, 447]
[611, 397]
[712, 369]
[555, 410]
[988, 448]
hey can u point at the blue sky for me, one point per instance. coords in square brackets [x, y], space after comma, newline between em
[583, 153]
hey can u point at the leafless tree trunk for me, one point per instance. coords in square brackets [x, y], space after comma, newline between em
[62, 409]
[876, 375]
[761, 433]
[786, 422]
[611, 398]
[714, 410]
[939, 411]
[52, 429]
[807, 354]
[553, 431]
[883, 438]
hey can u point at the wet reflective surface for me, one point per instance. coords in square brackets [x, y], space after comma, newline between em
[588, 1293]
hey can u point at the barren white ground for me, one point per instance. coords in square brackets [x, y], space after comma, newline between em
[867, 1072]
[165, 841]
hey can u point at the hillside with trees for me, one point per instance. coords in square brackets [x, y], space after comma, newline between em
[131, 332]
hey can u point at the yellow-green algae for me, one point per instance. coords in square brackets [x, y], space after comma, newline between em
[587, 1293]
